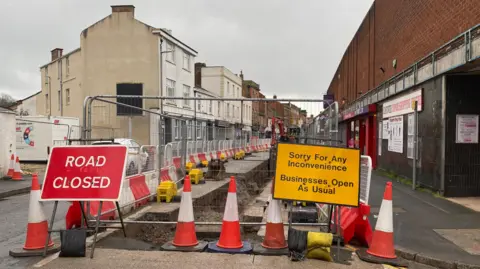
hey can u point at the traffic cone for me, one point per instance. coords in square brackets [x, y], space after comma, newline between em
[17, 173]
[230, 237]
[382, 242]
[275, 233]
[185, 235]
[37, 228]
[11, 167]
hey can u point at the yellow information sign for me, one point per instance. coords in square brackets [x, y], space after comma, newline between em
[318, 174]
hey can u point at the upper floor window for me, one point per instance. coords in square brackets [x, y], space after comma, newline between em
[171, 90]
[210, 105]
[170, 54]
[186, 61]
[186, 94]
[199, 103]
[228, 88]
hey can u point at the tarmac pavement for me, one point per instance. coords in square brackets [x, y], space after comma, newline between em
[423, 222]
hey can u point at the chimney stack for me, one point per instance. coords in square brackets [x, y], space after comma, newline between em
[130, 9]
[169, 31]
[56, 53]
[198, 74]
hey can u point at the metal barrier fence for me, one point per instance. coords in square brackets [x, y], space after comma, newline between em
[175, 135]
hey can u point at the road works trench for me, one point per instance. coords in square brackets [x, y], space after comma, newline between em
[209, 208]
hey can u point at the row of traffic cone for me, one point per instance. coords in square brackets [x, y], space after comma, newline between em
[14, 170]
[230, 236]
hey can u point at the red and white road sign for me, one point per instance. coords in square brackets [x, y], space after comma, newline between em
[85, 173]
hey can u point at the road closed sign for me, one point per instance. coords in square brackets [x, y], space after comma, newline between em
[318, 174]
[85, 173]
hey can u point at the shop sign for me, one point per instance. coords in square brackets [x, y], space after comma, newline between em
[402, 105]
[359, 111]
[329, 99]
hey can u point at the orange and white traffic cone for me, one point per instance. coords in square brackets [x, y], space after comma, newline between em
[37, 228]
[230, 240]
[11, 166]
[382, 241]
[275, 233]
[17, 173]
[230, 235]
[185, 235]
[382, 250]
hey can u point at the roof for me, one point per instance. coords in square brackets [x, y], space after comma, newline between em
[63, 56]
[28, 97]
[163, 32]
[6, 110]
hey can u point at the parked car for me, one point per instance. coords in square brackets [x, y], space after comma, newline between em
[135, 158]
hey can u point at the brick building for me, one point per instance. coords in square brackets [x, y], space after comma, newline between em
[251, 89]
[424, 50]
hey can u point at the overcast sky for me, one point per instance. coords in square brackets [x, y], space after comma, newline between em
[292, 48]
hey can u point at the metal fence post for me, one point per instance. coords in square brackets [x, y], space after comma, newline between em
[184, 138]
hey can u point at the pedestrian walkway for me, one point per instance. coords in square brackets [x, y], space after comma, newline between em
[423, 222]
[11, 187]
[114, 258]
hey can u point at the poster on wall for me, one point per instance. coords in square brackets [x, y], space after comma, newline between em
[380, 135]
[410, 132]
[467, 129]
[385, 129]
[395, 134]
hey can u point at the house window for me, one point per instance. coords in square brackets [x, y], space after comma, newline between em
[186, 61]
[67, 67]
[67, 97]
[233, 90]
[186, 94]
[189, 129]
[129, 89]
[171, 90]
[176, 127]
[228, 110]
[218, 109]
[228, 88]
[170, 52]
[199, 130]
[210, 104]
[199, 103]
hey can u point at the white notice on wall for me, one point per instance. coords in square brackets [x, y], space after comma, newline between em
[385, 129]
[467, 129]
[410, 132]
[395, 134]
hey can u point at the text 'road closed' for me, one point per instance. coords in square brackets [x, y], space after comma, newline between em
[85, 173]
[317, 174]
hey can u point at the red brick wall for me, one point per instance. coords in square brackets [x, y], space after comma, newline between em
[405, 30]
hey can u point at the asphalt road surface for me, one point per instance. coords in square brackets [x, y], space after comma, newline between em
[13, 227]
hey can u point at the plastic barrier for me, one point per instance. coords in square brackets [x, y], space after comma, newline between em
[165, 175]
[140, 190]
[152, 182]
[354, 221]
[106, 206]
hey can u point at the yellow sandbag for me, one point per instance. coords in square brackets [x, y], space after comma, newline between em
[317, 239]
[320, 253]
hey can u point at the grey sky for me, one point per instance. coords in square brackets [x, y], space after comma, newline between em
[291, 48]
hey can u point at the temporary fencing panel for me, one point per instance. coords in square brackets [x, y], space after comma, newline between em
[205, 138]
